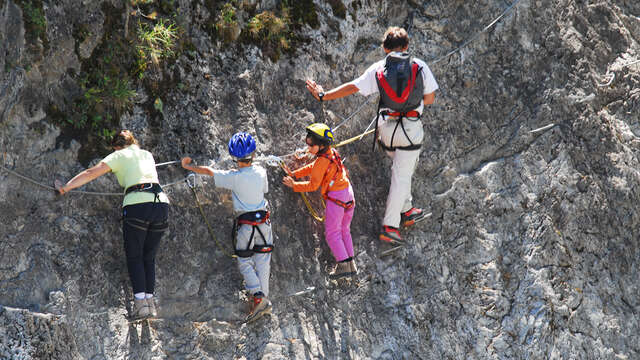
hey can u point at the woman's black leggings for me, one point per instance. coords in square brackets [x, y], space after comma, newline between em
[142, 227]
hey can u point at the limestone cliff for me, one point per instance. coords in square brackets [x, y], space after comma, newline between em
[529, 167]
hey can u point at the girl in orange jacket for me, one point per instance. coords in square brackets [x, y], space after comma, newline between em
[329, 174]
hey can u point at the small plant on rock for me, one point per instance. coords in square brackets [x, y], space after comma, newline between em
[227, 25]
[34, 21]
[157, 41]
[270, 31]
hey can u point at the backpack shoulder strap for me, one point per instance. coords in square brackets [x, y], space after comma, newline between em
[407, 90]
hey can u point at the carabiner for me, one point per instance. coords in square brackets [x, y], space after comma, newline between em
[191, 180]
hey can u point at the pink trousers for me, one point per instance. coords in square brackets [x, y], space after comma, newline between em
[337, 224]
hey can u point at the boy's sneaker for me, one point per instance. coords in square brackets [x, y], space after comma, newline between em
[140, 309]
[411, 216]
[261, 306]
[390, 234]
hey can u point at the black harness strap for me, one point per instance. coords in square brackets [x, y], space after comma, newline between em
[146, 225]
[375, 133]
[254, 219]
[405, 148]
[153, 188]
[347, 205]
[393, 135]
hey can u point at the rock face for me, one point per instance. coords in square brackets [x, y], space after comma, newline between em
[529, 167]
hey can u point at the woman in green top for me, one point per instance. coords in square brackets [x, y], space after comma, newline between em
[145, 211]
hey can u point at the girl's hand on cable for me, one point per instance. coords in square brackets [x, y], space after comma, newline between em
[286, 169]
[288, 181]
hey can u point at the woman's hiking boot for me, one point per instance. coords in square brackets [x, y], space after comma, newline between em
[342, 269]
[152, 307]
[390, 234]
[411, 216]
[140, 309]
[261, 306]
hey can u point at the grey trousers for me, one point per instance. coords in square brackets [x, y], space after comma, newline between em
[255, 269]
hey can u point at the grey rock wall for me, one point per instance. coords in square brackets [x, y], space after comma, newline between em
[529, 167]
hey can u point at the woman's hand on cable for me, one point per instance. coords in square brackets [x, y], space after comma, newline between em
[288, 181]
[185, 162]
[314, 88]
[61, 189]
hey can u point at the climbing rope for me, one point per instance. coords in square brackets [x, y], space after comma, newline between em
[312, 211]
[16, 174]
[355, 138]
[191, 183]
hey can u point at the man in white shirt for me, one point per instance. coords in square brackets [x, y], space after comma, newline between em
[405, 86]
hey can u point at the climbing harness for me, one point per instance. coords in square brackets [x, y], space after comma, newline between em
[254, 219]
[146, 225]
[153, 188]
[399, 122]
[191, 183]
[337, 161]
[346, 205]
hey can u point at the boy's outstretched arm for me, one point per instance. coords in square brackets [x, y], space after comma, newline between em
[203, 170]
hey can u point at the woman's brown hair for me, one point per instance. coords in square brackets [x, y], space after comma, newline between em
[123, 139]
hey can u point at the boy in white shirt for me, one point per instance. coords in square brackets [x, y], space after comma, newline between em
[252, 231]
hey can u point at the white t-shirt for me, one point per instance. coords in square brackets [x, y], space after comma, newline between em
[368, 85]
[248, 186]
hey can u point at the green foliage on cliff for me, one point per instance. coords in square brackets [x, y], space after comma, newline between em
[35, 22]
[120, 64]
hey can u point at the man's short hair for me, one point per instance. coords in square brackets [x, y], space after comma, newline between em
[395, 38]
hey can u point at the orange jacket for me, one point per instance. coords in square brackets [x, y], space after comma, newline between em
[321, 172]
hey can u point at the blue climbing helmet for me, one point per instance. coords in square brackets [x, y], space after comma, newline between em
[241, 145]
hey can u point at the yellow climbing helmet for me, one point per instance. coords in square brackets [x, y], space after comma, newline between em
[321, 132]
